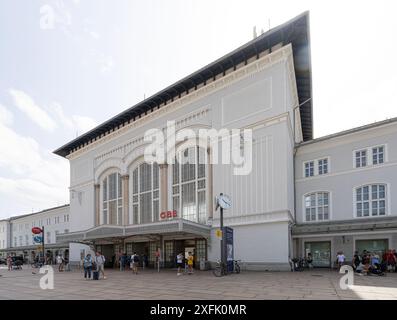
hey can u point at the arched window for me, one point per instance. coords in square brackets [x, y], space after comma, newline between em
[145, 193]
[112, 199]
[189, 185]
[371, 200]
[317, 206]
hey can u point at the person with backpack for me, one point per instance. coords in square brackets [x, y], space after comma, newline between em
[100, 264]
[134, 263]
[87, 264]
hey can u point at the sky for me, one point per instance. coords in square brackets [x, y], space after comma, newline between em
[67, 66]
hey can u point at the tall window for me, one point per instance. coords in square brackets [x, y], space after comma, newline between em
[371, 200]
[112, 199]
[378, 155]
[323, 166]
[317, 206]
[145, 193]
[361, 158]
[309, 169]
[189, 185]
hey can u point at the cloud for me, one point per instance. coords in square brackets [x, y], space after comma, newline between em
[27, 105]
[35, 177]
[6, 117]
[106, 63]
[75, 123]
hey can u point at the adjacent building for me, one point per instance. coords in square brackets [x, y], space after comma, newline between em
[16, 237]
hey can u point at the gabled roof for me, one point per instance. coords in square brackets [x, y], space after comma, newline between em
[295, 32]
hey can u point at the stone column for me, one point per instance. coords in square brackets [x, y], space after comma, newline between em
[163, 187]
[125, 187]
[97, 188]
[210, 200]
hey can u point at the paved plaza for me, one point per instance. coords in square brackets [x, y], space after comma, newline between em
[149, 284]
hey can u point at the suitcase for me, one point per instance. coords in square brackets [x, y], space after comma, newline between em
[95, 275]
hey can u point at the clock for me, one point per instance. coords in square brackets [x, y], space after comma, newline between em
[224, 201]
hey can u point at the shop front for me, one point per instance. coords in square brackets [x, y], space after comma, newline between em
[321, 253]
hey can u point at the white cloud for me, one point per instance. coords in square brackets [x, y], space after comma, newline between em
[6, 117]
[35, 177]
[27, 105]
[75, 123]
[106, 63]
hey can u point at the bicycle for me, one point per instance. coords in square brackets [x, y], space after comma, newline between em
[221, 268]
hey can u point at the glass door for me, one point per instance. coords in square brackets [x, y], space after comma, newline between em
[321, 253]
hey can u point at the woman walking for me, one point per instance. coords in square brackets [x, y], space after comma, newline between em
[87, 264]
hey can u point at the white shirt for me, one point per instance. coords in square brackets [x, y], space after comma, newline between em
[341, 258]
[179, 258]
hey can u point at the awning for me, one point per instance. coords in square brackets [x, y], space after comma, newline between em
[175, 226]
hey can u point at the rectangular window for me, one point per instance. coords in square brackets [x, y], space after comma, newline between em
[309, 169]
[48, 237]
[371, 200]
[323, 166]
[361, 158]
[378, 154]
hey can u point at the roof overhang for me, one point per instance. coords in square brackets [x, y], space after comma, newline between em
[346, 226]
[175, 226]
[294, 32]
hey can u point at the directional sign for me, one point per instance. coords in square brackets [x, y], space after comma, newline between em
[38, 239]
[218, 233]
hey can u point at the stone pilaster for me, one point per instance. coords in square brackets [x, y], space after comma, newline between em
[210, 200]
[163, 187]
[97, 188]
[126, 204]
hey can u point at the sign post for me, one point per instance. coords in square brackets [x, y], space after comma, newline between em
[38, 239]
[224, 202]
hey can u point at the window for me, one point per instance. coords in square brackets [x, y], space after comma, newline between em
[378, 155]
[317, 206]
[20, 241]
[48, 237]
[371, 200]
[145, 193]
[26, 226]
[56, 220]
[26, 240]
[361, 158]
[66, 218]
[309, 169]
[48, 221]
[66, 231]
[189, 185]
[15, 242]
[112, 199]
[323, 166]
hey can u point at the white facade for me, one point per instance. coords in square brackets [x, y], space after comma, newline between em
[18, 236]
[360, 183]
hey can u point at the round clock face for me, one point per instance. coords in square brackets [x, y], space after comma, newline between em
[225, 202]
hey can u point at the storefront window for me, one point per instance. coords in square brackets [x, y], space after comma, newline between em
[189, 185]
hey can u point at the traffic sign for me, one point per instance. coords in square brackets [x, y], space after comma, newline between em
[36, 230]
[218, 233]
[38, 239]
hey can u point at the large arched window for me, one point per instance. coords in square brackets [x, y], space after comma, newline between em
[189, 185]
[371, 200]
[145, 193]
[317, 206]
[112, 199]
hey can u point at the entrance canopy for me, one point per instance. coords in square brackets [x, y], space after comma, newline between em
[179, 226]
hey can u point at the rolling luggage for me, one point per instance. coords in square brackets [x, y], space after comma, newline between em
[95, 275]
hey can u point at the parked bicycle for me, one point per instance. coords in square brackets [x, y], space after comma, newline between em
[221, 268]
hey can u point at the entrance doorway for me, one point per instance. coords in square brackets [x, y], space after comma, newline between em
[321, 253]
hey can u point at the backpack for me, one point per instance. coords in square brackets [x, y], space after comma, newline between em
[136, 258]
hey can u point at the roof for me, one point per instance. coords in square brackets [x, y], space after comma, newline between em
[294, 32]
[42, 211]
[349, 131]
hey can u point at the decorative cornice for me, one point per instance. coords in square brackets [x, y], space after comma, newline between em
[246, 71]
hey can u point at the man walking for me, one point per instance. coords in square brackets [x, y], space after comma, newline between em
[134, 263]
[100, 263]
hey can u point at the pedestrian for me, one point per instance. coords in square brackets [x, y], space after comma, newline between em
[122, 261]
[190, 260]
[356, 260]
[134, 263]
[87, 264]
[340, 259]
[100, 263]
[9, 263]
[61, 265]
[309, 260]
[179, 263]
